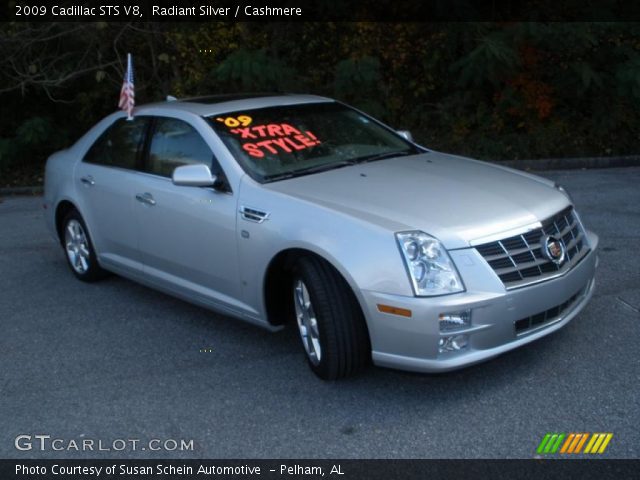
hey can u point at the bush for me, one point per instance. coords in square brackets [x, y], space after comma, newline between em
[490, 90]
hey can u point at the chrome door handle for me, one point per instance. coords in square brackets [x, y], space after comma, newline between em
[145, 198]
[88, 180]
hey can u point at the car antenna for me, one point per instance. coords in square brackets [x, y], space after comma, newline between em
[171, 98]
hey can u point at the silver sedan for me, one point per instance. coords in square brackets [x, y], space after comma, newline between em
[299, 209]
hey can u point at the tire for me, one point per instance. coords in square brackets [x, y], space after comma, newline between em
[78, 248]
[331, 325]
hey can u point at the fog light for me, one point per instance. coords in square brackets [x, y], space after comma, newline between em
[453, 344]
[450, 322]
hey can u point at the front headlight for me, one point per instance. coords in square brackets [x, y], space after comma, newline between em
[429, 266]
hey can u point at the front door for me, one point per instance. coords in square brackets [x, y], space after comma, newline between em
[186, 234]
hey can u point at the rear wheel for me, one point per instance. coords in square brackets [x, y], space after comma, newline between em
[331, 325]
[81, 256]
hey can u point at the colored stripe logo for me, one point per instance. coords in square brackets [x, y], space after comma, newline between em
[573, 443]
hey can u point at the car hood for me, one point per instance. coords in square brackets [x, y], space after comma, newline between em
[454, 199]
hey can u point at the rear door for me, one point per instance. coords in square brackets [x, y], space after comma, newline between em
[187, 234]
[105, 181]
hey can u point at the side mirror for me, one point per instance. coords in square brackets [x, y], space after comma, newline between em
[197, 175]
[406, 134]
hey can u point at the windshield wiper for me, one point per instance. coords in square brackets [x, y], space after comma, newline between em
[334, 165]
[308, 170]
[382, 156]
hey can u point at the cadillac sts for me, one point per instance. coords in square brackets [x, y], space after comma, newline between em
[298, 209]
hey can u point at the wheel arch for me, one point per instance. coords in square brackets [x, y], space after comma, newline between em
[277, 275]
[62, 210]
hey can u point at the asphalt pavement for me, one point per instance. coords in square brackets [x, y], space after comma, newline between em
[118, 361]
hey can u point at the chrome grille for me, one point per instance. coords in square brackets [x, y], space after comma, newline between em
[518, 260]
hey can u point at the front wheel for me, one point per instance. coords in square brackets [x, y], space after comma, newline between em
[81, 256]
[331, 325]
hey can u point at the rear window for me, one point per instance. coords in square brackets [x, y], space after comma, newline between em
[119, 145]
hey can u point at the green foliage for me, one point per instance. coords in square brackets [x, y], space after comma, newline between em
[34, 131]
[359, 82]
[490, 90]
[8, 152]
[493, 58]
[31, 143]
[254, 71]
[627, 75]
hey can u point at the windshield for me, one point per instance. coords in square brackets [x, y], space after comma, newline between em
[282, 142]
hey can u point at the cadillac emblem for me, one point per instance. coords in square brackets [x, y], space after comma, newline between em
[553, 248]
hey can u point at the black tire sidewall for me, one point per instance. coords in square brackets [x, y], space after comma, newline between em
[339, 317]
[322, 368]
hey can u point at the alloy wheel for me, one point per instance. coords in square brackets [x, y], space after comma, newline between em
[307, 322]
[77, 246]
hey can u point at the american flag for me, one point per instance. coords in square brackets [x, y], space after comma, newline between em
[127, 95]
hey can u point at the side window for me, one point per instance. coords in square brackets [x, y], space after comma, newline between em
[120, 144]
[175, 143]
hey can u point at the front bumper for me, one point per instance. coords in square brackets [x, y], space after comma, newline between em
[411, 343]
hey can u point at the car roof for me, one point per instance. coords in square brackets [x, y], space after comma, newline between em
[217, 104]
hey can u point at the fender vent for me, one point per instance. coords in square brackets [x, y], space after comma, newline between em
[253, 215]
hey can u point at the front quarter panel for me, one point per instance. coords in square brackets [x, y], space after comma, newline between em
[367, 256]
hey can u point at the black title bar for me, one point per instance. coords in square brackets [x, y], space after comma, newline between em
[318, 10]
[327, 469]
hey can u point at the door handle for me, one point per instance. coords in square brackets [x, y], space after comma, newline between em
[145, 198]
[88, 180]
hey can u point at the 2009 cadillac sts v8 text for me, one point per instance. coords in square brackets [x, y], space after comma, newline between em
[278, 208]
